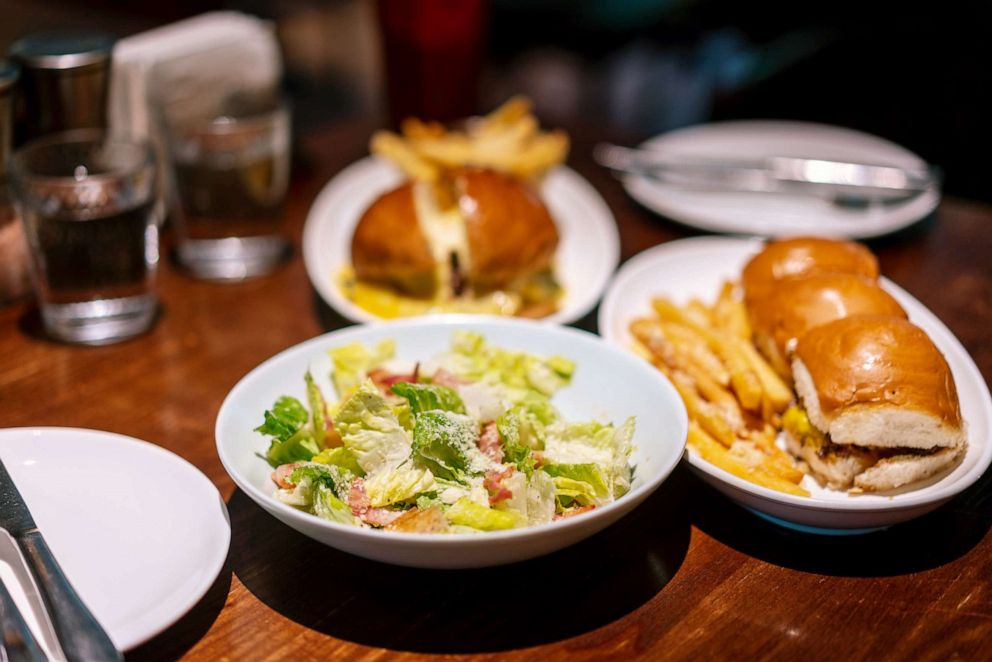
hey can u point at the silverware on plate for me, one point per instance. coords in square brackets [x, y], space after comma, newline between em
[843, 182]
[17, 643]
[79, 633]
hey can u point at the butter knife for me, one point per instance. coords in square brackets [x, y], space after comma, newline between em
[774, 174]
[81, 636]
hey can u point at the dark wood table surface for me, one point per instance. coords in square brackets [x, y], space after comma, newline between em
[687, 574]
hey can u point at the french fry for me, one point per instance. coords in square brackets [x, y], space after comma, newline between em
[742, 378]
[512, 110]
[729, 314]
[695, 348]
[714, 453]
[392, 147]
[777, 391]
[414, 128]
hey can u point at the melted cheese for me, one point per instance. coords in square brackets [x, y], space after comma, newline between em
[445, 232]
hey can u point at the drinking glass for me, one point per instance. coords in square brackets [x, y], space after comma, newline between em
[88, 205]
[230, 176]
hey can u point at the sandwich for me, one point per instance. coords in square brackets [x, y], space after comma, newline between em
[804, 256]
[475, 235]
[877, 406]
[780, 316]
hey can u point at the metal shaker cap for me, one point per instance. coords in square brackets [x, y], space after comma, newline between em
[63, 49]
[9, 73]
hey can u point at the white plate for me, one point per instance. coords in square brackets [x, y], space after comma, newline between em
[588, 248]
[772, 214]
[609, 385]
[696, 268]
[139, 531]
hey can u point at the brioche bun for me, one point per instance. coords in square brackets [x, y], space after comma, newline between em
[510, 232]
[388, 246]
[783, 315]
[884, 395]
[804, 256]
[507, 231]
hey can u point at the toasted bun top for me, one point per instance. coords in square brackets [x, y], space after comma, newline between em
[510, 233]
[872, 360]
[795, 306]
[389, 247]
[803, 256]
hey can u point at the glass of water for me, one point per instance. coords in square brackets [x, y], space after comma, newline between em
[230, 176]
[89, 209]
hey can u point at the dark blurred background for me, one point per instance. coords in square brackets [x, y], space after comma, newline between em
[915, 73]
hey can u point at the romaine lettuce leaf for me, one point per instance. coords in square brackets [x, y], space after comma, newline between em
[328, 506]
[429, 397]
[291, 441]
[341, 457]
[318, 409]
[571, 492]
[587, 473]
[541, 502]
[466, 512]
[352, 363]
[369, 429]
[402, 484]
[446, 443]
[598, 444]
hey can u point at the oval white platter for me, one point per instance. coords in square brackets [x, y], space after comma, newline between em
[697, 267]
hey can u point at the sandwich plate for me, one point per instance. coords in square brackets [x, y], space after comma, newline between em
[697, 267]
[588, 249]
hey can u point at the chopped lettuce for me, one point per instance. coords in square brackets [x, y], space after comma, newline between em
[341, 457]
[352, 363]
[369, 429]
[429, 397]
[466, 512]
[318, 409]
[400, 485]
[446, 442]
[291, 441]
[417, 447]
[329, 506]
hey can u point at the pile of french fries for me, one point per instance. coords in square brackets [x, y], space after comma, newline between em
[509, 139]
[733, 396]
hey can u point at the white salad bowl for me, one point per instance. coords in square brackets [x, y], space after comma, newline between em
[609, 385]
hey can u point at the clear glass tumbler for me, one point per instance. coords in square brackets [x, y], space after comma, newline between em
[88, 205]
[230, 176]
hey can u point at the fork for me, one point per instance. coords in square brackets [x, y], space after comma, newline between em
[17, 644]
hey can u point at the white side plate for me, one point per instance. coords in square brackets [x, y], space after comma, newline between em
[588, 248]
[697, 267]
[773, 214]
[140, 532]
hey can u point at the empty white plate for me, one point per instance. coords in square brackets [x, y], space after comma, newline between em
[140, 532]
[588, 248]
[768, 214]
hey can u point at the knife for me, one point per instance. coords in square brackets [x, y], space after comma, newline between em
[81, 636]
[839, 180]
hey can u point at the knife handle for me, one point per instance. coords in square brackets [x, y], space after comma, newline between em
[17, 644]
[80, 634]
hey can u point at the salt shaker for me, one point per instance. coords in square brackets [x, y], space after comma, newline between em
[65, 79]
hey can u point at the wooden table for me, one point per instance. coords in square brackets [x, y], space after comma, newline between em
[687, 574]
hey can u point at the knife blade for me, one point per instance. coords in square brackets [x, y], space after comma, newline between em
[79, 633]
[774, 174]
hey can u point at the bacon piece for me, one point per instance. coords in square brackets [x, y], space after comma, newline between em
[444, 378]
[282, 473]
[490, 443]
[493, 483]
[361, 507]
[385, 379]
